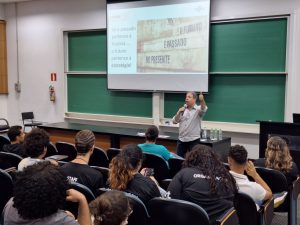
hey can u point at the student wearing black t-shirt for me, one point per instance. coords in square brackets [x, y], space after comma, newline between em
[78, 170]
[16, 136]
[204, 181]
[124, 174]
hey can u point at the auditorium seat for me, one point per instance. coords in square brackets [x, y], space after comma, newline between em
[3, 141]
[161, 170]
[139, 215]
[51, 150]
[175, 165]
[64, 148]
[4, 125]
[73, 206]
[98, 158]
[6, 188]
[104, 171]
[8, 160]
[178, 212]
[248, 213]
[112, 152]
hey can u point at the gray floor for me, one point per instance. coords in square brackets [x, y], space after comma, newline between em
[281, 218]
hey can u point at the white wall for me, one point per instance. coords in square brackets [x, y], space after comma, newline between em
[40, 40]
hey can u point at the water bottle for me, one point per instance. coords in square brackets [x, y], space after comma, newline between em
[211, 134]
[220, 134]
[204, 133]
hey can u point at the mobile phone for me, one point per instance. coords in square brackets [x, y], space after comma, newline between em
[149, 172]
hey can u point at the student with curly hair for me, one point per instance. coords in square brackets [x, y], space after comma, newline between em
[40, 192]
[204, 181]
[277, 157]
[124, 174]
[35, 145]
[110, 208]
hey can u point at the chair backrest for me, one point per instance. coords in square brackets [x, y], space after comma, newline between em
[3, 141]
[275, 179]
[73, 206]
[98, 158]
[140, 214]
[51, 150]
[246, 210]
[176, 212]
[161, 170]
[104, 171]
[278, 183]
[4, 126]
[112, 152]
[27, 116]
[8, 160]
[64, 148]
[175, 165]
[6, 188]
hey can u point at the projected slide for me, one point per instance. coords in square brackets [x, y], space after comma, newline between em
[175, 45]
[156, 45]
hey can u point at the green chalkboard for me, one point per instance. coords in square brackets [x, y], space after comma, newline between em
[239, 98]
[252, 46]
[238, 47]
[248, 46]
[87, 51]
[89, 94]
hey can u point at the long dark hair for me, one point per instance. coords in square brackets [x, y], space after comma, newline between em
[207, 162]
[123, 166]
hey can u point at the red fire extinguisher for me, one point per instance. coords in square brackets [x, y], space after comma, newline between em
[52, 93]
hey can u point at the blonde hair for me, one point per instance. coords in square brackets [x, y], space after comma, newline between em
[278, 155]
[123, 167]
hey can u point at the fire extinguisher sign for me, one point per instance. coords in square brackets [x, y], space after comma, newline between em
[53, 76]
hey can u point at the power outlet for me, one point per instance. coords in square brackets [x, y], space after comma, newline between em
[18, 87]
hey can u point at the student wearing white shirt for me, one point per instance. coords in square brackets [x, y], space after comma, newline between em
[189, 118]
[238, 163]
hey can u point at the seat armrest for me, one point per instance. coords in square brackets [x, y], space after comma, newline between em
[268, 211]
[57, 157]
[165, 183]
[296, 188]
[230, 217]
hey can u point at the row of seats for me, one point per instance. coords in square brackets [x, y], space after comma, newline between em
[275, 179]
[102, 158]
[159, 212]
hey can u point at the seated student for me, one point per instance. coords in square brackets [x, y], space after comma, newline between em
[35, 145]
[110, 208]
[238, 163]
[150, 146]
[277, 157]
[40, 192]
[16, 136]
[78, 170]
[204, 181]
[124, 174]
